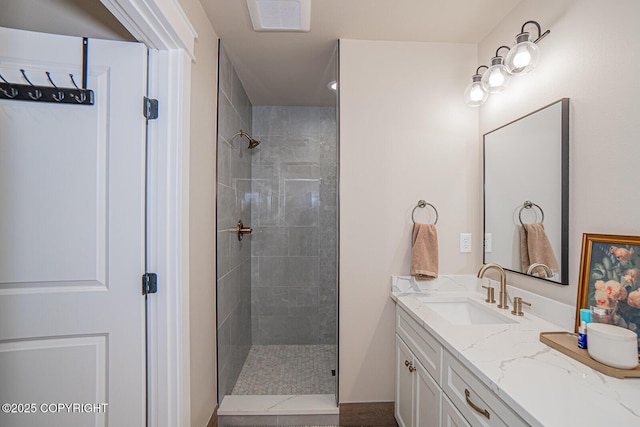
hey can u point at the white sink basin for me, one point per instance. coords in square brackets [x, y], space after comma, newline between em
[466, 312]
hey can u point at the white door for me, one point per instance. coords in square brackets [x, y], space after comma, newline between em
[72, 318]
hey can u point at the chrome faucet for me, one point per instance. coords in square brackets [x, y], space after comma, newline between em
[545, 267]
[502, 300]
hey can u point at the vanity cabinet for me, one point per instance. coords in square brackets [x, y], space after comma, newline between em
[433, 388]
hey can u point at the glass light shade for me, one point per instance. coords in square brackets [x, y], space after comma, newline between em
[475, 94]
[523, 57]
[497, 77]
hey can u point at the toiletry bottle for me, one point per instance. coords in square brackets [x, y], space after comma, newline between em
[585, 318]
[582, 334]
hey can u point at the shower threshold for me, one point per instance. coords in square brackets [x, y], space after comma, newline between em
[303, 404]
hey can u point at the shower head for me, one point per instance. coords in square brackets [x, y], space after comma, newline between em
[253, 143]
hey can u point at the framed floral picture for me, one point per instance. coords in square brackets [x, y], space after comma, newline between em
[610, 280]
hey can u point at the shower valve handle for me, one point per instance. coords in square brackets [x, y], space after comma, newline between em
[242, 230]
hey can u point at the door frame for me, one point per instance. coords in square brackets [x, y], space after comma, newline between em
[164, 28]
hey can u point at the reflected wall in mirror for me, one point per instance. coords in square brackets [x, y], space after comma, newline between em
[526, 194]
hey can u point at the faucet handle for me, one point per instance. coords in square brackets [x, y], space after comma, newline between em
[490, 294]
[517, 306]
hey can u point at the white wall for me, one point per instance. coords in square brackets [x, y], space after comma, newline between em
[202, 227]
[81, 18]
[592, 56]
[405, 135]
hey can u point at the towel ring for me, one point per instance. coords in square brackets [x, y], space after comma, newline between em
[422, 204]
[528, 205]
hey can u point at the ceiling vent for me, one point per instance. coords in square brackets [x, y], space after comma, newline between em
[280, 15]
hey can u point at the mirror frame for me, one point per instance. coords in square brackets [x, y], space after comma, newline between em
[564, 163]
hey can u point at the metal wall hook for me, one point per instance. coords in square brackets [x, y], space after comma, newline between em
[13, 91]
[60, 95]
[11, 95]
[73, 81]
[80, 99]
[24, 74]
[37, 93]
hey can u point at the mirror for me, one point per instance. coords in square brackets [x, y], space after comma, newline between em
[526, 194]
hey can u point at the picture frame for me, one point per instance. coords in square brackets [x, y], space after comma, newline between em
[610, 279]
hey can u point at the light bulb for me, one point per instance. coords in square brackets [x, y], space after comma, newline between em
[497, 77]
[475, 94]
[523, 57]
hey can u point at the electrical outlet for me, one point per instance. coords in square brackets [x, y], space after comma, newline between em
[465, 242]
[487, 242]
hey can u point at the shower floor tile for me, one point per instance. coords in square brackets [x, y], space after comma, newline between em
[288, 369]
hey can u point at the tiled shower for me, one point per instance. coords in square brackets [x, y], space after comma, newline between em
[277, 288]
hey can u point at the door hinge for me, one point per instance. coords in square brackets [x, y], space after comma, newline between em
[149, 283]
[150, 109]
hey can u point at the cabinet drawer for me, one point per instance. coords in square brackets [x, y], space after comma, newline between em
[477, 403]
[424, 346]
[451, 417]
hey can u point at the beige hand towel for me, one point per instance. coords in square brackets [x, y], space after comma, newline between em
[424, 251]
[536, 248]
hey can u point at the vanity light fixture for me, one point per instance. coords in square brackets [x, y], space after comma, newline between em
[497, 77]
[524, 56]
[476, 93]
[520, 59]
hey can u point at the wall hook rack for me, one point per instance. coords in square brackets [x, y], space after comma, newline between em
[53, 94]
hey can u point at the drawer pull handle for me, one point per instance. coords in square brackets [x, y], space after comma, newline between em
[407, 363]
[412, 368]
[473, 405]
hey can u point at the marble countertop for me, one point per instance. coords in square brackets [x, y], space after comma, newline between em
[545, 387]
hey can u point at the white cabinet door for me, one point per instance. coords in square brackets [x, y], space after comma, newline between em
[72, 318]
[404, 385]
[427, 398]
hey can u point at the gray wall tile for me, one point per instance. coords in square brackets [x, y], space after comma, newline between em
[303, 301]
[234, 202]
[270, 300]
[284, 329]
[270, 241]
[301, 201]
[294, 188]
[303, 241]
[288, 271]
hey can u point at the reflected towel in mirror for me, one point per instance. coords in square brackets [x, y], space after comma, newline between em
[536, 248]
[424, 251]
